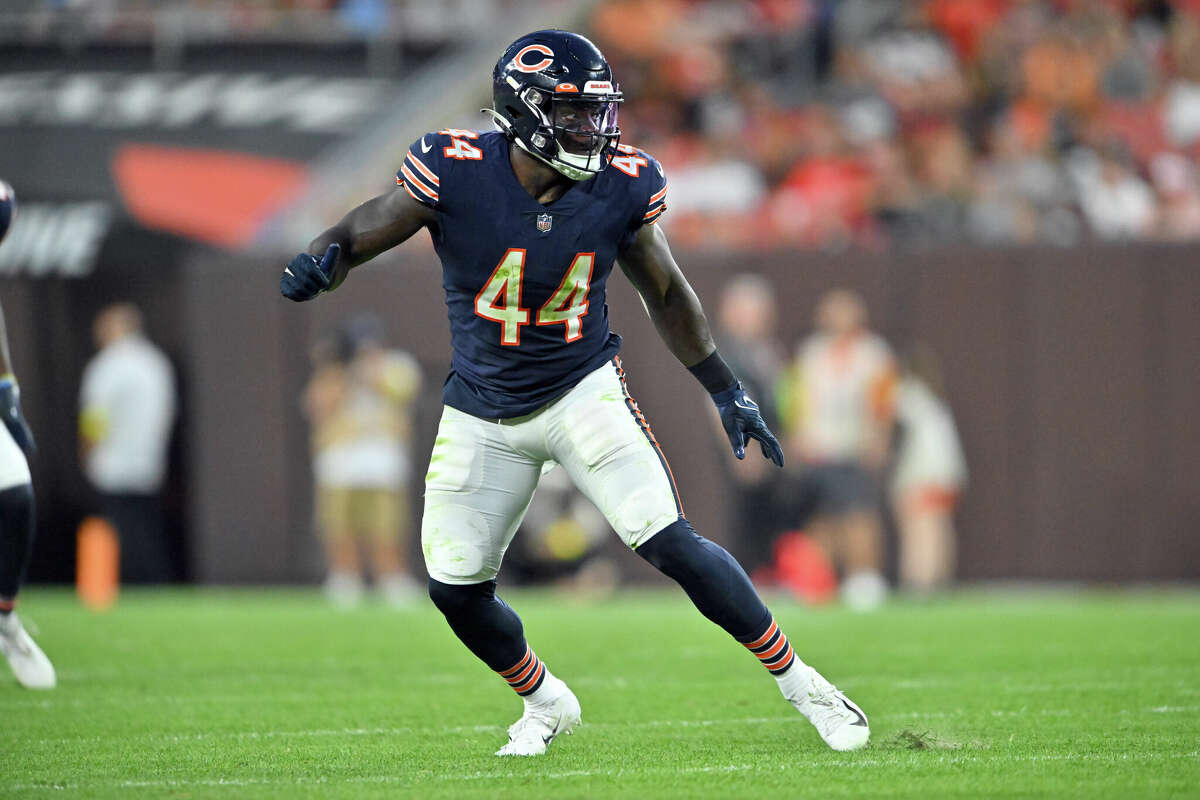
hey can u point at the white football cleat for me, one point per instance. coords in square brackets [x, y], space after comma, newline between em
[841, 723]
[28, 662]
[542, 722]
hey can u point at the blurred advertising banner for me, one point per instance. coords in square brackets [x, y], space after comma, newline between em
[56, 239]
[206, 150]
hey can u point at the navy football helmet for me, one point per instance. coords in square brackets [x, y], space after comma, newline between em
[553, 94]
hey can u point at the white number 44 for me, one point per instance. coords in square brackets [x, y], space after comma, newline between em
[500, 298]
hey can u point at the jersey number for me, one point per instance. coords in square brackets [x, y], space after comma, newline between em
[500, 298]
[630, 162]
[462, 149]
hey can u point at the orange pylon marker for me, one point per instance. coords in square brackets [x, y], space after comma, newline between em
[97, 564]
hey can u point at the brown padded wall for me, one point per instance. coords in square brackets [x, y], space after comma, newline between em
[1073, 375]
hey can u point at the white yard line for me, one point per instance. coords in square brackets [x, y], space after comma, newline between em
[386, 692]
[403, 730]
[1173, 709]
[913, 760]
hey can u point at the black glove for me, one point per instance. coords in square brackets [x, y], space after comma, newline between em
[10, 410]
[742, 421]
[304, 277]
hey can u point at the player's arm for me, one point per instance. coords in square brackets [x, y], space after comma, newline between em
[679, 318]
[377, 225]
[10, 397]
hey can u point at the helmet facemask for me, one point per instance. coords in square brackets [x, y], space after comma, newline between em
[576, 132]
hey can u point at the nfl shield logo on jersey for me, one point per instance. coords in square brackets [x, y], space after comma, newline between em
[544, 221]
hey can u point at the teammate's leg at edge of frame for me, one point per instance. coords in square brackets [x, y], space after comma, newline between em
[29, 664]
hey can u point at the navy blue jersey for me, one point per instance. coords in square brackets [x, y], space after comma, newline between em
[525, 283]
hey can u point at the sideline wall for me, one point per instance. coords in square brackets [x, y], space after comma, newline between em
[1074, 376]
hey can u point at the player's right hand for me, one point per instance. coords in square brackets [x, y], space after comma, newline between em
[10, 411]
[304, 277]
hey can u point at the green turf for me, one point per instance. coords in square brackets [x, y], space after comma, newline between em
[272, 694]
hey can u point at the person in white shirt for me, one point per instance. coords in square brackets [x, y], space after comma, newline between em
[1116, 203]
[841, 416]
[930, 471]
[127, 409]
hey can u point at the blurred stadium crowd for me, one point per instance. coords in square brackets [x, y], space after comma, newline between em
[884, 122]
[828, 123]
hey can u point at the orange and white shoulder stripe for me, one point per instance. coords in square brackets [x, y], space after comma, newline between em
[656, 206]
[419, 180]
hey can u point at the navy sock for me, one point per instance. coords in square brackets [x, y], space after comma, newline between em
[491, 630]
[16, 540]
[721, 590]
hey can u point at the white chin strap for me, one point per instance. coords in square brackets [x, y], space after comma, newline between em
[577, 168]
[587, 165]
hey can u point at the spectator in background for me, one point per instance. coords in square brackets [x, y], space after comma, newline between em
[942, 164]
[929, 473]
[1116, 203]
[359, 403]
[840, 426]
[718, 190]
[127, 407]
[1181, 106]
[745, 335]
[966, 24]
[824, 199]
[1020, 194]
[896, 195]
[1174, 180]
[914, 69]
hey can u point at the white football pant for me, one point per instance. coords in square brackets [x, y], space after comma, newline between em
[483, 473]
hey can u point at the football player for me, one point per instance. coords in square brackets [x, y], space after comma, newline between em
[28, 662]
[528, 221]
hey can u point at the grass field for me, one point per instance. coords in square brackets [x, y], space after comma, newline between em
[272, 694]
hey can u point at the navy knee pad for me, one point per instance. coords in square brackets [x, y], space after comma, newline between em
[482, 621]
[712, 578]
[452, 599]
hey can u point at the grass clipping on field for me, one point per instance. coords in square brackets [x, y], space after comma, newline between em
[909, 739]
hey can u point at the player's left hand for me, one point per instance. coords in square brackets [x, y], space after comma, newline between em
[10, 411]
[742, 422]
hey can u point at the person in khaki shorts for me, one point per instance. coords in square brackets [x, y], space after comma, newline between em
[359, 402]
[842, 391]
